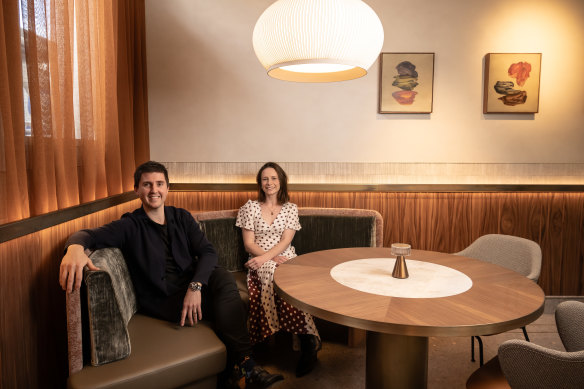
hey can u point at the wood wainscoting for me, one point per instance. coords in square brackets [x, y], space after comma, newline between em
[33, 347]
[33, 330]
[450, 221]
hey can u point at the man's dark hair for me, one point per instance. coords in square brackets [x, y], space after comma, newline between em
[283, 196]
[149, 167]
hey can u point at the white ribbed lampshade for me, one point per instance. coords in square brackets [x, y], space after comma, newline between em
[318, 40]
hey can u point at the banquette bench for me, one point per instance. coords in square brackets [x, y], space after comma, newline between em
[112, 346]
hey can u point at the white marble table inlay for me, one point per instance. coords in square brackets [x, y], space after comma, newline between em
[426, 280]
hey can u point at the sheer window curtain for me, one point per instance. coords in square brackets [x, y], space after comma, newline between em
[84, 64]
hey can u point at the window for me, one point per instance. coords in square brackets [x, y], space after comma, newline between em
[75, 122]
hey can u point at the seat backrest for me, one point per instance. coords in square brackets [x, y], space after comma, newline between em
[529, 366]
[226, 238]
[335, 228]
[570, 323]
[322, 228]
[515, 253]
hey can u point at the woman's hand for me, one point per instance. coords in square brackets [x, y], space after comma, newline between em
[256, 262]
[280, 259]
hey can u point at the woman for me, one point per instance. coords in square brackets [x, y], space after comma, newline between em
[268, 226]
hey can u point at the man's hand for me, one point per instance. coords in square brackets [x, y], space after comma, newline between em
[191, 312]
[71, 271]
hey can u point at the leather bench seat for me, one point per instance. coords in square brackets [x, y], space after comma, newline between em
[111, 346]
[163, 355]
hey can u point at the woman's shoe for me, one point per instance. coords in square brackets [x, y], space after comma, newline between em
[309, 347]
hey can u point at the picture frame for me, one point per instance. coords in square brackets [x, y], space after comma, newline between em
[511, 83]
[406, 82]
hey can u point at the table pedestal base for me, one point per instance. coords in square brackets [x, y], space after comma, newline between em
[396, 361]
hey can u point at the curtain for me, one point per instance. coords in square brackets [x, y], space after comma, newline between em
[82, 64]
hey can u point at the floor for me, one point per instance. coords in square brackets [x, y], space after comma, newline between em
[449, 362]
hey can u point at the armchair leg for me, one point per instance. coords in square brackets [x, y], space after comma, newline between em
[481, 361]
[478, 338]
[472, 349]
[525, 333]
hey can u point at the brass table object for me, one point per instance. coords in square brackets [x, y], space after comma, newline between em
[400, 250]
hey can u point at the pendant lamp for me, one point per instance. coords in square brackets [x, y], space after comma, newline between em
[317, 40]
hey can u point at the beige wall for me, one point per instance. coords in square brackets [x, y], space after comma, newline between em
[210, 100]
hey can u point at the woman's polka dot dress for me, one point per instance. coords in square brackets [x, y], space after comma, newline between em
[267, 312]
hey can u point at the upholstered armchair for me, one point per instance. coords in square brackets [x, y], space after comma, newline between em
[529, 366]
[524, 365]
[512, 252]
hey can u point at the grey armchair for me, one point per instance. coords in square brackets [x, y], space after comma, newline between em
[527, 365]
[512, 252]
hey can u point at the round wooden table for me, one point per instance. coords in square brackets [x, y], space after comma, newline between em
[398, 327]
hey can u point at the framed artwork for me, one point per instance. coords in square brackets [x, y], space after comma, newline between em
[406, 82]
[512, 82]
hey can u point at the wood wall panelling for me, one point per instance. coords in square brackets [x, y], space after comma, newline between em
[19, 338]
[449, 222]
[563, 242]
[33, 347]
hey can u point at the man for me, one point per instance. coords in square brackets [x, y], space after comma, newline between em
[174, 271]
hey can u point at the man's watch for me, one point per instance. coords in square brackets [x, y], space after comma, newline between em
[195, 286]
